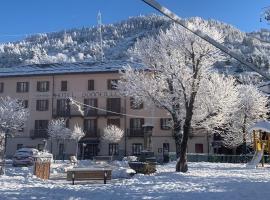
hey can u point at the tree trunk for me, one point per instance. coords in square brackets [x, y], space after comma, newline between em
[177, 137]
[181, 165]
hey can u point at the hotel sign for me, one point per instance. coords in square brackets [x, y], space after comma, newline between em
[87, 94]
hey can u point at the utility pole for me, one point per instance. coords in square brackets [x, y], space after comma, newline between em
[99, 19]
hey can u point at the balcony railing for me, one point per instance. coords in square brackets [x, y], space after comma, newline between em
[92, 133]
[61, 113]
[39, 133]
[135, 132]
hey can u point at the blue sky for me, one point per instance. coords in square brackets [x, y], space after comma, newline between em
[21, 17]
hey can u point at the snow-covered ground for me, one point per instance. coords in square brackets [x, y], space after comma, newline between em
[203, 181]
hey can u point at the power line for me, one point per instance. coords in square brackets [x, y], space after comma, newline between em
[79, 104]
[154, 4]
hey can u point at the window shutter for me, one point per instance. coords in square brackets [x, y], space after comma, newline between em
[37, 105]
[47, 105]
[142, 122]
[131, 123]
[38, 86]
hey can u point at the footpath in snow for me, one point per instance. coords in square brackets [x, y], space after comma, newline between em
[203, 181]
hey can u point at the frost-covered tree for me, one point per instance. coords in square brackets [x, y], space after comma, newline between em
[252, 108]
[112, 134]
[77, 134]
[57, 130]
[180, 79]
[13, 116]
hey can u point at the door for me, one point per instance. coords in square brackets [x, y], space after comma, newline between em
[90, 151]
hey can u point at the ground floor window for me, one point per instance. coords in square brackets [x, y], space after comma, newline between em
[113, 149]
[136, 148]
[198, 148]
[19, 146]
[61, 149]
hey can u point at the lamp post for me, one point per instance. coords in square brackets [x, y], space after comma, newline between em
[147, 129]
[44, 144]
[83, 145]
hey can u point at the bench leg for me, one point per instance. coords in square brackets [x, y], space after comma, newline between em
[105, 177]
[73, 178]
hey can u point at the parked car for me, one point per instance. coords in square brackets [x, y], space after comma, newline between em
[24, 157]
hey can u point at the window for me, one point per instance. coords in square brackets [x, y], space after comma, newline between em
[21, 129]
[91, 85]
[41, 124]
[1, 87]
[134, 105]
[42, 105]
[113, 149]
[63, 108]
[25, 103]
[165, 123]
[90, 127]
[89, 111]
[115, 122]
[111, 83]
[63, 85]
[198, 148]
[22, 87]
[136, 123]
[114, 105]
[19, 146]
[43, 86]
[136, 126]
[136, 149]
[166, 148]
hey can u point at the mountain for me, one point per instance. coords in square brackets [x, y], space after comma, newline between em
[80, 45]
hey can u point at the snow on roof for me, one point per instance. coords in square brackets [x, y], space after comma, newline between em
[67, 68]
[262, 125]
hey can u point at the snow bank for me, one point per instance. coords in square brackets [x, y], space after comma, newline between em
[203, 181]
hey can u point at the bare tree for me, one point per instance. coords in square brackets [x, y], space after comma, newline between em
[180, 79]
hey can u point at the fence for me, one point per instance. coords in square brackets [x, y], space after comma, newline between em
[222, 158]
[193, 157]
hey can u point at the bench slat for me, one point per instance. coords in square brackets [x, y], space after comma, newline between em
[88, 175]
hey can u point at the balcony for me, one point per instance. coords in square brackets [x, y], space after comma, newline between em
[67, 113]
[61, 113]
[92, 133]
[135, 132]
[39, 133]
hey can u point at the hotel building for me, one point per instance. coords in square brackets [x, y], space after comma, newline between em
[46, 88]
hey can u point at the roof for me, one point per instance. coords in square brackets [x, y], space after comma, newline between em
[67, 68]
[262, 125]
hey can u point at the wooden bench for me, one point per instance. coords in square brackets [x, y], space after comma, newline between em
[81, 174]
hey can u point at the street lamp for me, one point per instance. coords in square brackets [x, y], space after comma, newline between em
[83, 150]
[147, 130]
